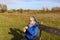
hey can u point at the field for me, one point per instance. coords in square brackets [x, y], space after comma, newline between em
[11, 22]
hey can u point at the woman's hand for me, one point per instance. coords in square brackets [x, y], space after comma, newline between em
[24, 29]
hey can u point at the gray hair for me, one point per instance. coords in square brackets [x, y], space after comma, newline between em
[33, 17]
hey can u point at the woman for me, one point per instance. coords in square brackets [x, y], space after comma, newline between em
[31, 29]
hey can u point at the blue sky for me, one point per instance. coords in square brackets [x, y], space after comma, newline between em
[30, 4]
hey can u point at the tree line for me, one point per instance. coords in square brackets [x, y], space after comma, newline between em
[3, 8]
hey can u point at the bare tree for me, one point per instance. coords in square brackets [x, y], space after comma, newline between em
[3, 7]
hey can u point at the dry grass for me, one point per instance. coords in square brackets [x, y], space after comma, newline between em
[14, 20]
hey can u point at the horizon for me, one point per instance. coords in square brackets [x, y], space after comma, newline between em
[31, 4]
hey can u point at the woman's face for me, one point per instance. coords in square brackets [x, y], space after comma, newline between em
[32, 21]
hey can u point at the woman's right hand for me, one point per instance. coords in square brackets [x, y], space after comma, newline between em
[24, 29]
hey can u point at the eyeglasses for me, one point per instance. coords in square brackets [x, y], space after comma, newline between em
[31, 20]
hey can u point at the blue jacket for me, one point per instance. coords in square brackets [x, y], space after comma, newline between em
[32, 31]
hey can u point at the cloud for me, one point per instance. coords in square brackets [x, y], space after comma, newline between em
[27, 1]
[9, 1]
[30, 3]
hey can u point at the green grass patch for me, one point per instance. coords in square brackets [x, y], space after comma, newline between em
[18, 21]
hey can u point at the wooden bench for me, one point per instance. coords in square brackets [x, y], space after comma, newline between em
[48, 29]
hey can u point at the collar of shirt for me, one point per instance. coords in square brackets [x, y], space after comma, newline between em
[30, 25]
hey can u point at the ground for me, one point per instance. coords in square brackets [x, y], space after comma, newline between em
[10, 22]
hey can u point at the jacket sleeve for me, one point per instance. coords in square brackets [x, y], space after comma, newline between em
[33, 31]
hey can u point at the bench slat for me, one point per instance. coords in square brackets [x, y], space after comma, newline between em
[51, 30]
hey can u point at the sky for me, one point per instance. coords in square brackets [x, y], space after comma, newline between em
[30, 4]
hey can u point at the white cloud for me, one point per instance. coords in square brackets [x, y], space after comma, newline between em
[9, 1]
[24, 2]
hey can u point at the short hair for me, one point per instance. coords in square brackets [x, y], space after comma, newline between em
[33, 17]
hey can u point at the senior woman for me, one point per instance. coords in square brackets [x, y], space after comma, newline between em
[31, 30]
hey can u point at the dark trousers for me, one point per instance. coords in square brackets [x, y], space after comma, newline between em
[25, 38]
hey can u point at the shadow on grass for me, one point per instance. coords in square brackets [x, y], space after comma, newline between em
[18, 34]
